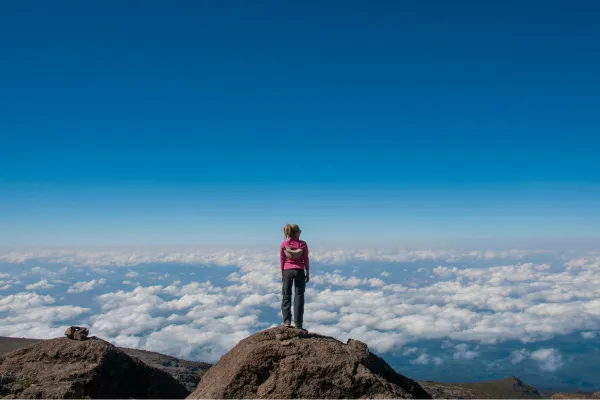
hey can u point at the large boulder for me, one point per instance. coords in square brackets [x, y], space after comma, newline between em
[64, 368]
[286, 363]
[188, 373]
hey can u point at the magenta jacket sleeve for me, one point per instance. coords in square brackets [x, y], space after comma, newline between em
[281, 258]
[306, 264]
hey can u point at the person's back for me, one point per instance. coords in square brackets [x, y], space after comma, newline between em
[293, 255]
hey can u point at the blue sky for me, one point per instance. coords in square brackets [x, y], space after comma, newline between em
[130, 123]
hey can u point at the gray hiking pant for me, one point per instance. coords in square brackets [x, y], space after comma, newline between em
[293, 277]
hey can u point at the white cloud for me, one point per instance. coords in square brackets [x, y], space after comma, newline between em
[132, 274]
[517, 356]
[549, 359]
[43, 284]
[345, 281]
[425, 359]
[21, 302]
[205, 320]
[33, 315]
[189, 342]
[103, 271]
[409, 351]
[375, 282]
[462, 352]
[321, 316]
[259, 300]
[42, 271]
[589, 334]
[80, 287]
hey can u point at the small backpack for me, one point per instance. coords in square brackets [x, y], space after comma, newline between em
[292, 253]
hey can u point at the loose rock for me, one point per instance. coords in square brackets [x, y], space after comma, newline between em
[77, 333]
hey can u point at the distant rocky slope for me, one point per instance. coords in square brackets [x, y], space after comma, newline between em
[8, 344]
[63, 368]
[287, 363]
[510, 388]
[188, 373]
[578, 395]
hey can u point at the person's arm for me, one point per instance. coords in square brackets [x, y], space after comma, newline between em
[306, 263]
[281, 258]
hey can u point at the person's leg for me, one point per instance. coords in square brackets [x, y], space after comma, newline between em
[286, 301]
[299, 286]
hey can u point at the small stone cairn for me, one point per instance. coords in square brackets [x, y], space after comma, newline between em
[77, 333]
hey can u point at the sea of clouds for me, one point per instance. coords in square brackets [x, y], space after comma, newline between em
[491, 313]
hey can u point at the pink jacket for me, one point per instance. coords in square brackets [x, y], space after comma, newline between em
[297, 263]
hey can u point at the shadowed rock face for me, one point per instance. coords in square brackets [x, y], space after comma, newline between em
[188, 373]
[289, 363]
[65, 368]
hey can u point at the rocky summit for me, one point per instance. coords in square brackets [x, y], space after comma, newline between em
[63, 368]
[286, 363]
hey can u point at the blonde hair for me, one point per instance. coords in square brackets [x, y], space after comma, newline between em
[290, 230]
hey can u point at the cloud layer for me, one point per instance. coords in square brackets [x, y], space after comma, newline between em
[458, 298]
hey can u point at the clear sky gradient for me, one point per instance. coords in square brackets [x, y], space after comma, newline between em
[199, 121]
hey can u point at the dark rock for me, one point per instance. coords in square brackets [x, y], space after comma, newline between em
[186, 372]
[283, 363]
[77, 333]
[64, 368]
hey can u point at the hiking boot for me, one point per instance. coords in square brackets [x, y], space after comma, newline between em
[298, 325]
[286, 324]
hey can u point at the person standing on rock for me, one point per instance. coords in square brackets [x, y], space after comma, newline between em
[293, 255]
